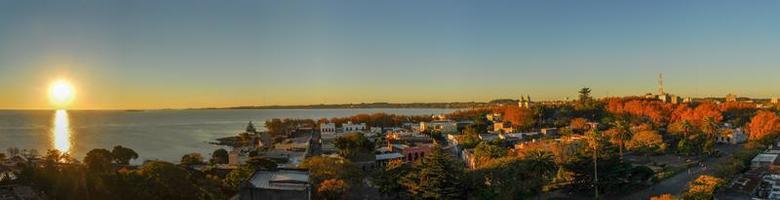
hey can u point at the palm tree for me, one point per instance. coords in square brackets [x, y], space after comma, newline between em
[594, 139]
[541, 162]
[622, 132]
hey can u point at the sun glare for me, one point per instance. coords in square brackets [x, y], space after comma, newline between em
[61, 93]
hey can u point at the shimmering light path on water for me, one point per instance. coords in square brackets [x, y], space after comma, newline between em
[61, 139]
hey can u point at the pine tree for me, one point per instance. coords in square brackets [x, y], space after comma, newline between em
[437, 176]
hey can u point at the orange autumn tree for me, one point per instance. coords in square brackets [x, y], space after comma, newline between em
[763, 124]
[665, 196]
[653, 110]
[521, 118]
[703, 187]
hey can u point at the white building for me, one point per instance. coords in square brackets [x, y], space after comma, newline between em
[444, 126]
[732, 136]
[328, 128]
[350, 127]
[763, 160]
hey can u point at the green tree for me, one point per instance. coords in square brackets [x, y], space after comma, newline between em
[389, 178]
[261, 163]
[99, 161]
[234, 179]
[220, 156]
[622, 133]
[437, 176]
[352, 144]
[123, 155]
[485, 152]
[192, 159]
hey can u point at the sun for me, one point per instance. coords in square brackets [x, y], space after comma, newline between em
[61, 93]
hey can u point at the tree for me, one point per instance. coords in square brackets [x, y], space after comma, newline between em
[585, 95]
[123, 155]
[541, 163]
[192, 159]
[490, 181]
[389, 178]
[333, 189]
[703, 188]
[165, 180]
[521, 118]
[99, 161]
[220, 156]
[765, 123]
[234, 179]
[579, 124]
[261, 163]
[352, 144]
[469, 139]
[646, 142]
[484, 152]
[665, 196]
[621, 133]
[437, 176]
[324, 168]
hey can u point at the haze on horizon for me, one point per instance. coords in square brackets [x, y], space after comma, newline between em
[181, 54]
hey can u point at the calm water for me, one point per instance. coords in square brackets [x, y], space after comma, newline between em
[163, 134]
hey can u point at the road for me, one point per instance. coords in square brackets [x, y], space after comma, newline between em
[677, 184]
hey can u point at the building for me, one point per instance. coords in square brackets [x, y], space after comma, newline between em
[328, 128]
[764, 160]
[412, 153]
[350, 127]
[503, 127]
[280, 184]
[494, 117]
[383, 159]
[549, 131]
[732, 136]
[443, 126]
[731, 97]
[525, 102]
[774, 100]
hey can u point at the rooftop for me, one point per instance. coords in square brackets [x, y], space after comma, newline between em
[281, 179]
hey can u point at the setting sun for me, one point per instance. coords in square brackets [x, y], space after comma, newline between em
[61, 93]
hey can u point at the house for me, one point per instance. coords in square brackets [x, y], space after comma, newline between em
[549, 131]
[383, 159]
[503, 127]
[412, 153]
[328, 128]
[444, 126]
[280, 184]
[767, 159]
[489, 137]
[732, 136]
[494, 117]
[350, 127]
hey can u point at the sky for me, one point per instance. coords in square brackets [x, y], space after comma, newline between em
[181, 54]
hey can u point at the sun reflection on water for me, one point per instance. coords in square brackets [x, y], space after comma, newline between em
[61, 131]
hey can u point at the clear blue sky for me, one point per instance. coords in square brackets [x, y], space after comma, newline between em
[154, 54]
